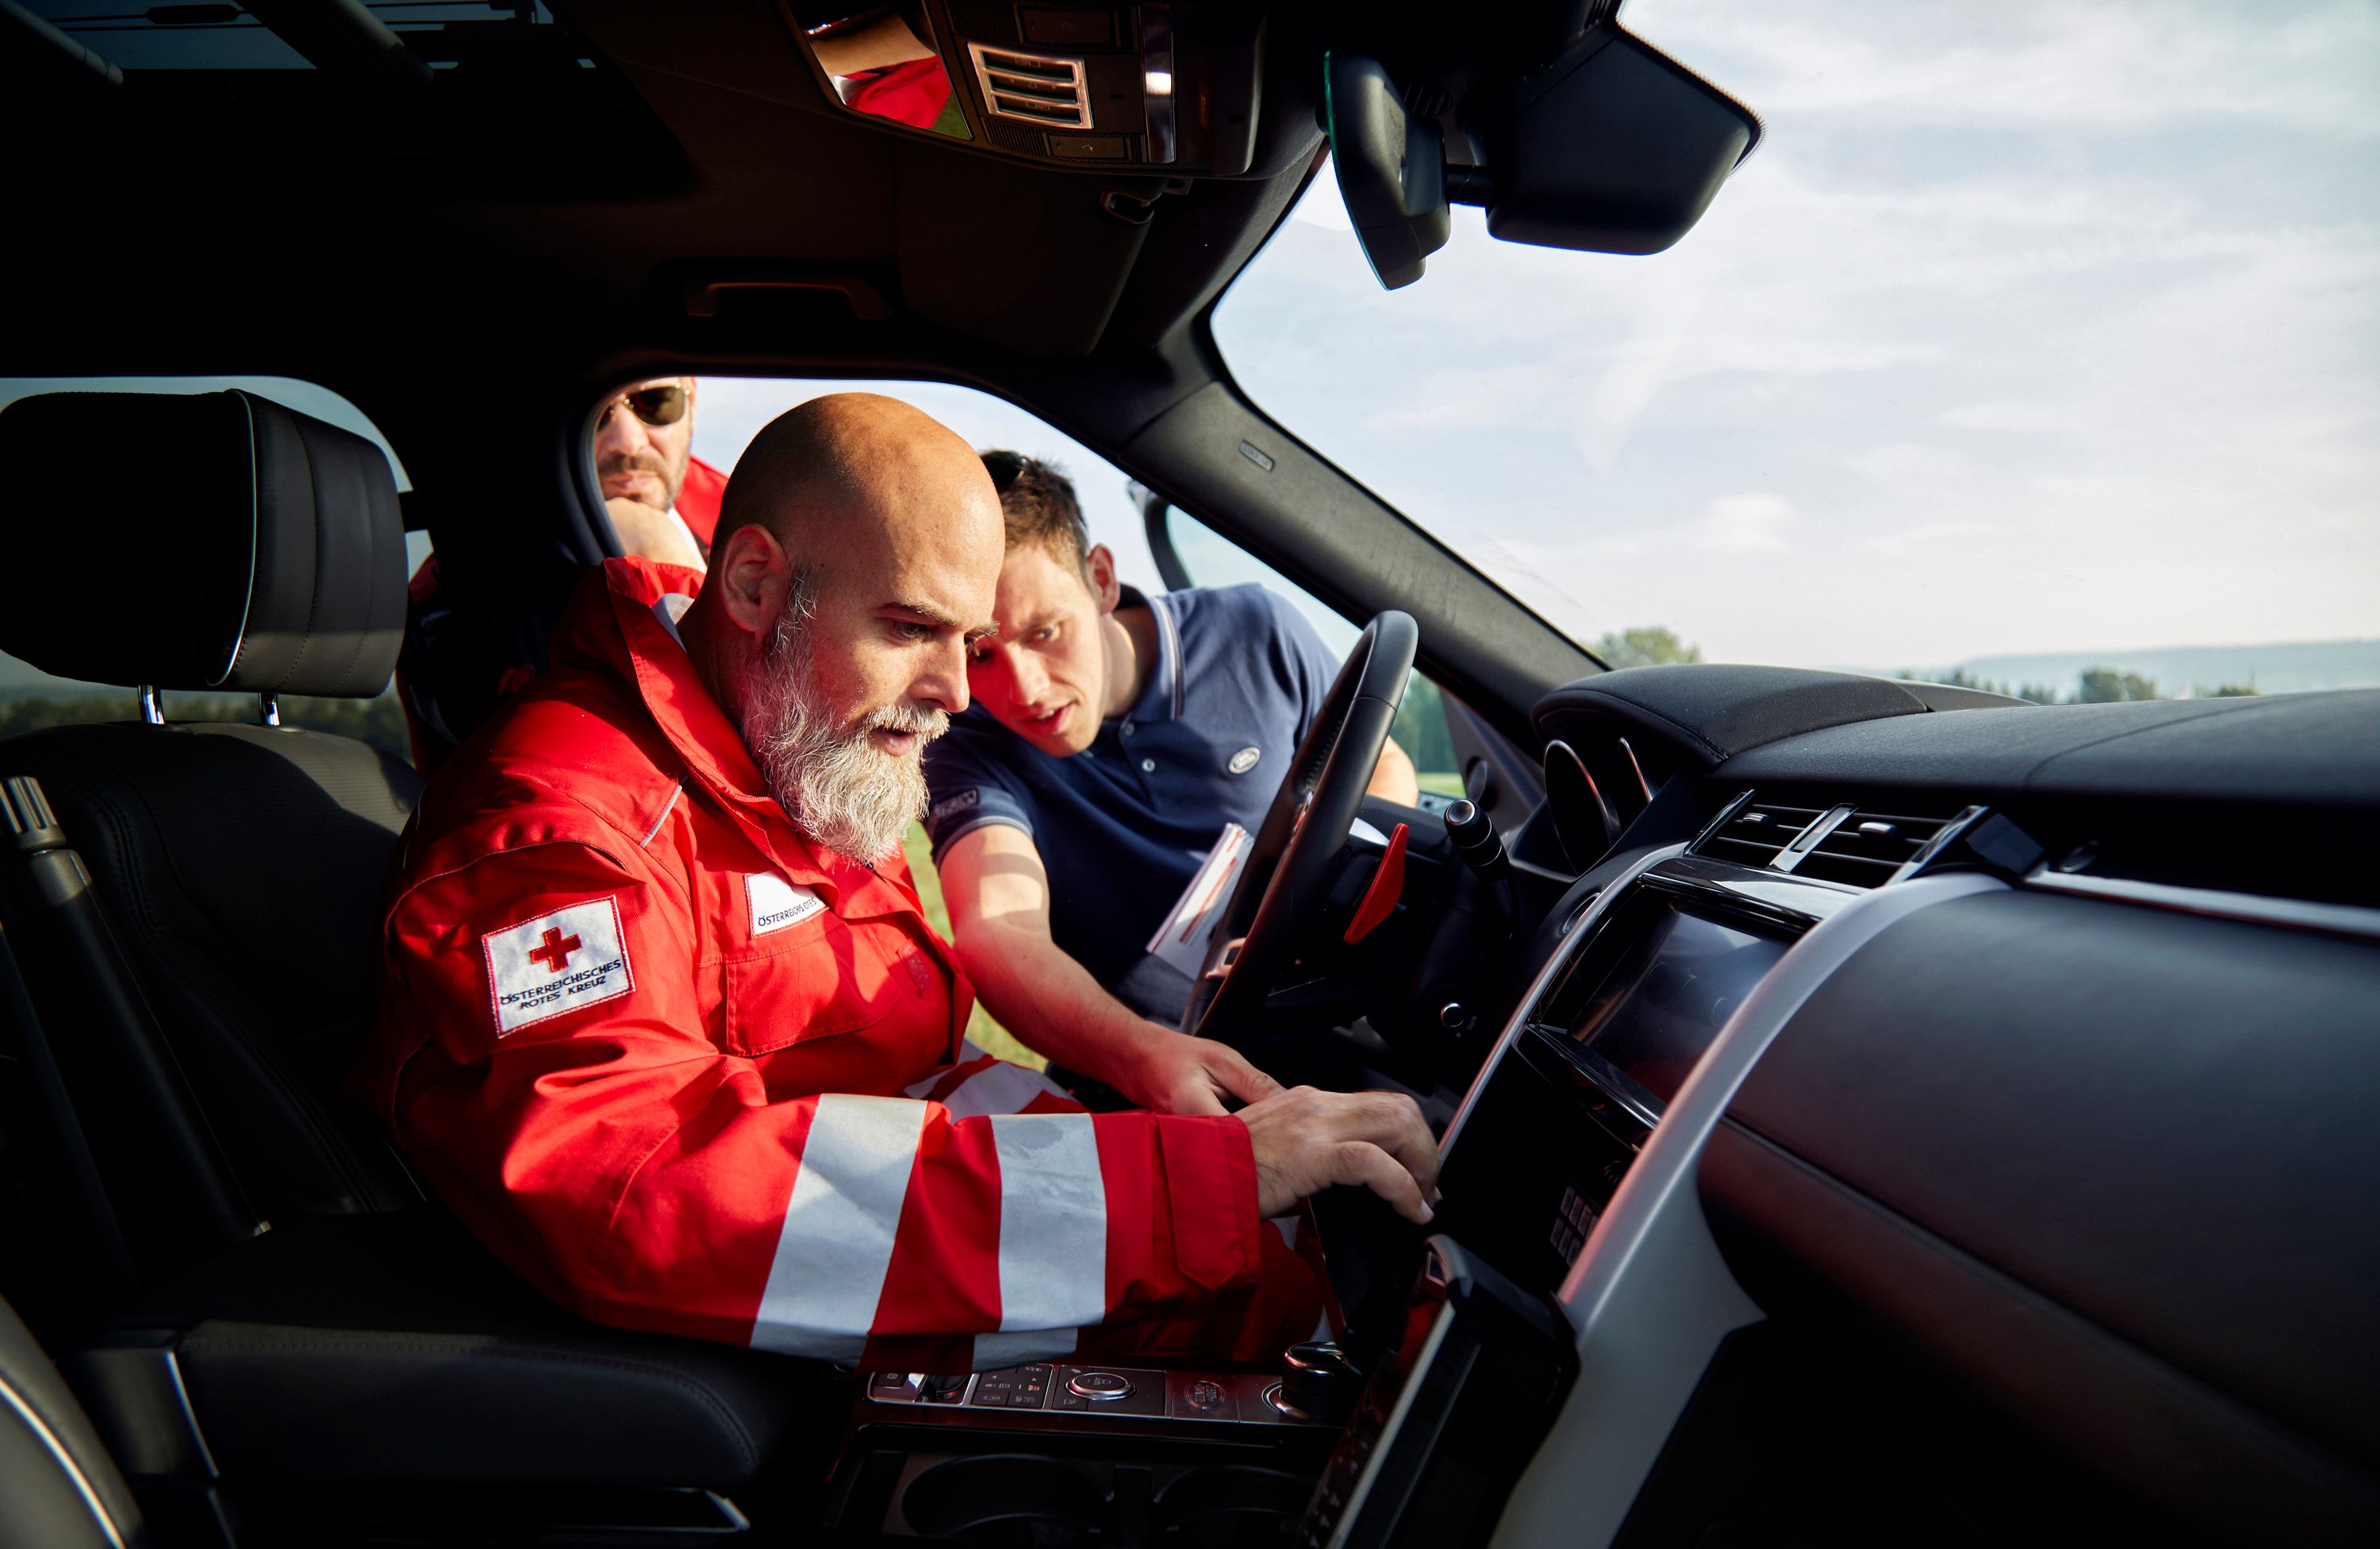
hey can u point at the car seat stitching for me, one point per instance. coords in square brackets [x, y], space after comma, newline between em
[365, 634]
[314, 592]
[295, 1097]
[127, 863]
[265, 1061]
[116, 818]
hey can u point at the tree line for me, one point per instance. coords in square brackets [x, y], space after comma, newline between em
[2091, 685]
[1653, 646]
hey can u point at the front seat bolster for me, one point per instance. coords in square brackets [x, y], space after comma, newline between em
[275, 1401]
[393, 1346]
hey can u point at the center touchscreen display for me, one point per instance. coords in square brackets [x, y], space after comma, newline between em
[1665, 995]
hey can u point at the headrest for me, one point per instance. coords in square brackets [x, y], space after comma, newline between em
[207, 541]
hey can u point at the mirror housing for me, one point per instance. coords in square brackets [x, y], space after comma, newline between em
[1614, 148]
[1391, 168]
[1611, 147]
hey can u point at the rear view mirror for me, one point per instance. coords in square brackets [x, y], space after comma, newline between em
[1391, 168]
[1613, 148]
[1610, 146]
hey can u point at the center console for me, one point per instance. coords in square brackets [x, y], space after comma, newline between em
[1465, 1370]
[1645, 974]
[1060, 1452]
[1644, 978]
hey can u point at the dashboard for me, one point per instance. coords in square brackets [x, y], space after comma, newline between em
[1930, 1117]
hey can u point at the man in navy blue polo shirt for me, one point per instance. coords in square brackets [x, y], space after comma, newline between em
[1113, 736]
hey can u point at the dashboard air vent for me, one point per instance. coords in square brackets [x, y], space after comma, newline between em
[1757, 831]
[1867, 847]
[1862, 846]
[1037, 87]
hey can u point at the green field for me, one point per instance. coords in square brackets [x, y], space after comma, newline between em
[989, 1035]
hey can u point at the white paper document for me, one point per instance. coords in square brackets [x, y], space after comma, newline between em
[1182, 939]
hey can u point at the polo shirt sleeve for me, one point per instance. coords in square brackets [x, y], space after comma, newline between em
[970, 784]
[1306, 666]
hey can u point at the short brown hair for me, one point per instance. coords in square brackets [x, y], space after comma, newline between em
[1038, 504]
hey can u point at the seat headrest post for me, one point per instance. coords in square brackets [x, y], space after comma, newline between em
[248, 548]
[152, 707]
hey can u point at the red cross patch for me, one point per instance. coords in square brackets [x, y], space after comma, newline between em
[557, 963]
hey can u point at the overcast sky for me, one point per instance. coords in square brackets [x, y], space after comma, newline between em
[2030, 327]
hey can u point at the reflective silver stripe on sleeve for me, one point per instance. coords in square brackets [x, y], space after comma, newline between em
[994, 1352]
[1054, 1223]
[924, 1084]
[837, 1239]
[999, 1088]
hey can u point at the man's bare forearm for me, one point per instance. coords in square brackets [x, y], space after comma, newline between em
[1052, 1003]
[1393, 778]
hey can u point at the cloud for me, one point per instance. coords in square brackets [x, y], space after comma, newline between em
[1941, 538]
[2132, 68]
[2083, 297]
[1906, 463]
[1745, 524]
[2022, 419]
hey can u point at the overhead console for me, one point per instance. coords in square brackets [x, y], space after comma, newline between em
[1169, 89]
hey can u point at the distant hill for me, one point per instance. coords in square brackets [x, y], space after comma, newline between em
[2287, 669]
[20, 682]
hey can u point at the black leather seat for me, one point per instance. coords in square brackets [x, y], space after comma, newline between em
[58, 1488]
[251, 549]
[193, 912]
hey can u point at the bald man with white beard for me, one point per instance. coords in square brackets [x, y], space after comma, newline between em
[663, 1022]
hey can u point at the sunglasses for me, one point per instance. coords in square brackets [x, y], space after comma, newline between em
[654, 406]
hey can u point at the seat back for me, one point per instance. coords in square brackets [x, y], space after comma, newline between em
[214, 962]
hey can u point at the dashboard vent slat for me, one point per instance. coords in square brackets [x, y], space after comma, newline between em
[1859, 844]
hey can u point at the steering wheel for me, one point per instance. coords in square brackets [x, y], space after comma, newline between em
[1290, 862]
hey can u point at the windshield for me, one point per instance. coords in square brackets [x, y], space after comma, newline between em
[2038, 345]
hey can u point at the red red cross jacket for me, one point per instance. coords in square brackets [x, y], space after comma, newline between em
[684, 1072]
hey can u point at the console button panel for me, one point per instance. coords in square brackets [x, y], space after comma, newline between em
[1095, 1394]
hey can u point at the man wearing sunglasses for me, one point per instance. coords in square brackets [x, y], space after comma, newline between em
[1114, 735]
[664, 502]
[644, 455]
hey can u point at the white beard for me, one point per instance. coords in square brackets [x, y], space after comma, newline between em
[829, 776]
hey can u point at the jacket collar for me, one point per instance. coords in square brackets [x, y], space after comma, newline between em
[624, 621]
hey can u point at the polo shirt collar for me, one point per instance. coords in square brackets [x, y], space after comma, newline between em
[1161, 699]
